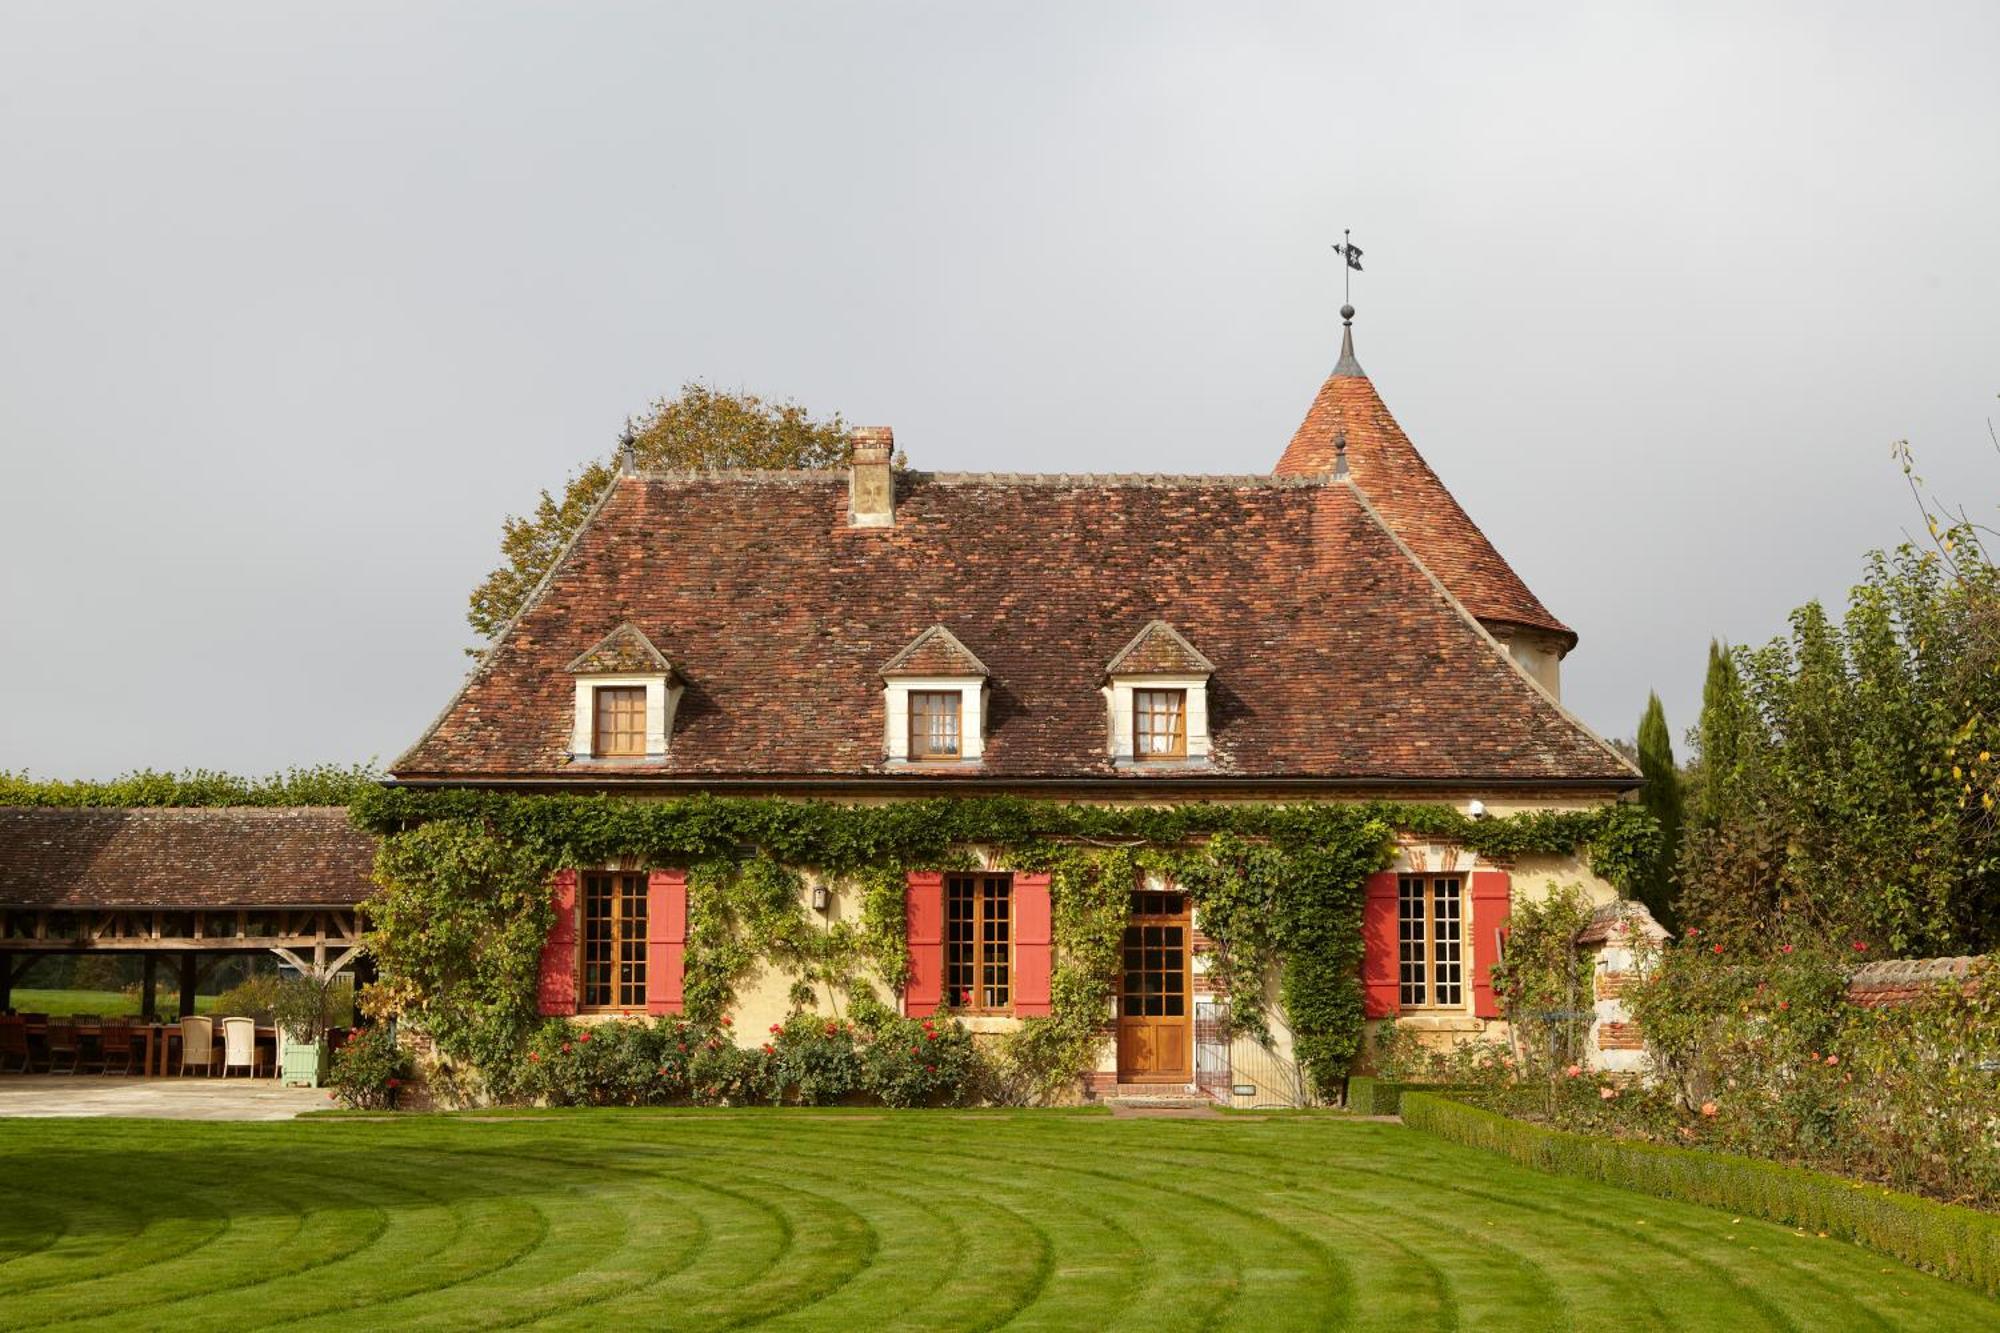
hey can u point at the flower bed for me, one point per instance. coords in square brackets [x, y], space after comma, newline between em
[1955, 1242]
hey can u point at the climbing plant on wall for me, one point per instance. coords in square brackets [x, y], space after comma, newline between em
[1276, 885]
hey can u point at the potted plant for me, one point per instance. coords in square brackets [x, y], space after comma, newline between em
[303, 1011]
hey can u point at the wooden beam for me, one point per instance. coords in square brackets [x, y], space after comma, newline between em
[6, 983]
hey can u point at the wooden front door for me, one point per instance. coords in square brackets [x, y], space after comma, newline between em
[1155, 1032]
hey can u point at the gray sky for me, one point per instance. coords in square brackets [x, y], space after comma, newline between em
[296, 303]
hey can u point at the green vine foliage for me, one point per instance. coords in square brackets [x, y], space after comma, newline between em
[1275, 885]
[325, 784]
[457, 923]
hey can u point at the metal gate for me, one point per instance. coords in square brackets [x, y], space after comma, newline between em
[1239, 1070]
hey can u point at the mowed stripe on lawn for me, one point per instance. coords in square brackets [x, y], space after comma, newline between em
[918, 1220]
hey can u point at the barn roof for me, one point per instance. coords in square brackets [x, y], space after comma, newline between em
[240, 856]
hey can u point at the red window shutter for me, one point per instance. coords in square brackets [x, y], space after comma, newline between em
[558, 982]
[1381, 989]
[923, 907]
[1032, 940]
[666, 939]
[1492, 903]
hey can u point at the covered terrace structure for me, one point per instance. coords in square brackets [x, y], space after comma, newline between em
[183, 889]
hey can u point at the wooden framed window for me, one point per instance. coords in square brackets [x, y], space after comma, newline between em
[620, 721]
[1159, 724]
[934, 718]
[613, 941]
[979, 943]
[1430, 941]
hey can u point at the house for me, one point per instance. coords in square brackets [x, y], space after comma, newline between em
[1337, 629]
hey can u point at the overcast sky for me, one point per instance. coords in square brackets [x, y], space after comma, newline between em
[297, 302]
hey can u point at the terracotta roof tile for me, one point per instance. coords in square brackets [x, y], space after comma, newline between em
[1338, 658]
[1397, 480]
[1159, 650]
[935, 652]
[625, 651]
[250, 856]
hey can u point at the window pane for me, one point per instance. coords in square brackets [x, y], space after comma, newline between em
[621, 721]
[1446, 946]
[934, 718]
[1159, 723]
[1410, 941]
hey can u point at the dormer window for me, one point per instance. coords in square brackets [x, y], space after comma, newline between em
[1156, 690]
[625, 697]
[934, 702]
[1159, 724]
[936, 717]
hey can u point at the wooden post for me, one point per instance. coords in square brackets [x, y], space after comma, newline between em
[150, 989]
[6, 983]
[187, 983]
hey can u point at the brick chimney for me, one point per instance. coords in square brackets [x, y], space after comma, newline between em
[871, 491]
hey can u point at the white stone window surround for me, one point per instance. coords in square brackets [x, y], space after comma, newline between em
[662, 697]
[1118, 696]
[971, 691]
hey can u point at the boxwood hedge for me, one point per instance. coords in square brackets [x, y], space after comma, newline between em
[1955, 1242]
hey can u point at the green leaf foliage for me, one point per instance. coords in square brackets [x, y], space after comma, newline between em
[1660, 794]
[324, 784]
[1846, 782]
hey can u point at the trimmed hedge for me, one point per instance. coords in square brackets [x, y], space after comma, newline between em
[1954, 1242]
[1380, 1096]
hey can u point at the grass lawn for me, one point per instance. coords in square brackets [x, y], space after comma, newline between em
[103, 1003]
[874, 1221]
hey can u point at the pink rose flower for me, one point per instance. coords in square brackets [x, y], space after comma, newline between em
[1607, 1093]
[1709, 1109]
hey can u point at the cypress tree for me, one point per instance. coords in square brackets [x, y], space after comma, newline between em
[1660, 793]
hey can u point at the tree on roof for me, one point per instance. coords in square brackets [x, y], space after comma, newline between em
[704, 427]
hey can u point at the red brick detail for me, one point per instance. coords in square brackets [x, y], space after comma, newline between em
[557, 991]
[666, 939]
[1619, 1037]
[1610, 985]
[1492, 903]
[1033, 945]
[923, 907]
[1381, 989]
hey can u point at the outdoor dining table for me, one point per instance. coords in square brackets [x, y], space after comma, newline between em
[160, 1036]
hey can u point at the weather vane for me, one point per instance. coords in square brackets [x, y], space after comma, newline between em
[1351, 252]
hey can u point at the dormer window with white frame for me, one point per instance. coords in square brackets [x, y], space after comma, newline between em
[1156, 693]
[934, 702]
[626, 692]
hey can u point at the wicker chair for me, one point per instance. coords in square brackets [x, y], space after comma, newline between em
[197, 1044]
[14, 1044]
[65, 1043]
[116, 1043]
[239, 1045]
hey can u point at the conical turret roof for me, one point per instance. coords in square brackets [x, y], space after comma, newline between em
[1410, 497]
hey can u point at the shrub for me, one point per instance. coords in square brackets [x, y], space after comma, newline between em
[921, 1062]
[368, 1069]
[813, 1061]
[1955, 1242]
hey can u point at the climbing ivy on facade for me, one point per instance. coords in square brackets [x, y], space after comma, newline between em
[1275, 886]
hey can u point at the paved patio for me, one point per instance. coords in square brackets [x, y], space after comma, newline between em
[45, 1095]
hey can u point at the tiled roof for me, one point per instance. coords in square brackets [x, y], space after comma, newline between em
[935, 652]
[1399, 483]
[246, 856]
[1336, 656]
[625, 651]
[1158, 650]
[1895, 981]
